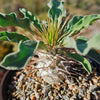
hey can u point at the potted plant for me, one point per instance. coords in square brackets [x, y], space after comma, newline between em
[52, 64]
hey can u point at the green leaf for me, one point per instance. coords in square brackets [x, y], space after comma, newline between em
[94, 55]
[56, 11]
[84, 46]
[81, 43]
[4, 38]
[12, 36]
[68, 42]
[78, 23]
[42, 45]
[12, 20]
[93, 43]
[72, 22]
[31, 17]
[19, 59]
[85, 63]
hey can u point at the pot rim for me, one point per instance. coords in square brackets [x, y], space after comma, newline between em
[3, 83]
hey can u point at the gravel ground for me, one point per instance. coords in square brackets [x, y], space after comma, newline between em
[34, 83]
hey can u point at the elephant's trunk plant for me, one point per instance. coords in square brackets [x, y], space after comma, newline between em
[51, 34]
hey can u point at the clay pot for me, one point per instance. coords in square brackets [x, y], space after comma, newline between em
[3, 86]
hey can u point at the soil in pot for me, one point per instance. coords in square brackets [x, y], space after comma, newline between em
[46, 79]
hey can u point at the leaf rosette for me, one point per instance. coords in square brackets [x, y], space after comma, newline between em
[52, 34]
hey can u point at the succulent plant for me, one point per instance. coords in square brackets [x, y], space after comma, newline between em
[52, 34]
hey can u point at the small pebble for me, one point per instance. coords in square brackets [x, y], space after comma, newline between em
[29, 85]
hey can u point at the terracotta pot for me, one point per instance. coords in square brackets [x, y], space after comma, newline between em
[3, 86]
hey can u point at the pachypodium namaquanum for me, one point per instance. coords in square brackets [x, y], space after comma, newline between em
[51, 34]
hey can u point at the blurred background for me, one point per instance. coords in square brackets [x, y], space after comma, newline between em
[40, 8]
